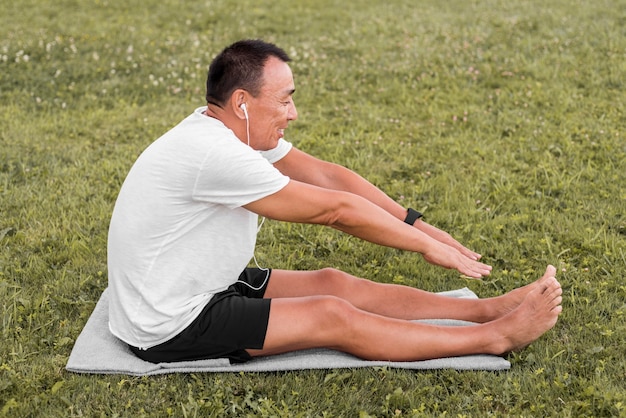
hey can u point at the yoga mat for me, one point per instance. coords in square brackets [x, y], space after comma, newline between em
[97, 351]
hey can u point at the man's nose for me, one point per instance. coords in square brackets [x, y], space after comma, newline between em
[293, 112]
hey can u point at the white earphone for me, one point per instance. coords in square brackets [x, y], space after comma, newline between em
[265, 269]
[245, 110]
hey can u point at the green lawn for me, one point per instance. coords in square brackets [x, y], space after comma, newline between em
[503, 121]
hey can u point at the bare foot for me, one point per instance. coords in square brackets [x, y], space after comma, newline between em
[537, 314]
[504, 304]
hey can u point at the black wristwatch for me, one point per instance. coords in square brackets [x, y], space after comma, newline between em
[412, 216]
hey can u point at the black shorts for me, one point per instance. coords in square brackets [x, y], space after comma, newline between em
[233, 321]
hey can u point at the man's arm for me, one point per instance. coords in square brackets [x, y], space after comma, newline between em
[355, 215]
[305, 168]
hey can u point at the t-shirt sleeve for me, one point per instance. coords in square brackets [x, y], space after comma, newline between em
[236, 178]
[277, 153]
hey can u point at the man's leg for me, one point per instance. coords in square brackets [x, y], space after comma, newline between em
[333, 322]
[394, 301]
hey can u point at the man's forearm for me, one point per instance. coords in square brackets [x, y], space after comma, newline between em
[373, 223]
[347, 180]
[361, 218]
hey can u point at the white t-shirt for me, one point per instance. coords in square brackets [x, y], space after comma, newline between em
[179, 233]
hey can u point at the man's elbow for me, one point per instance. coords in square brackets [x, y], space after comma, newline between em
[344, 212]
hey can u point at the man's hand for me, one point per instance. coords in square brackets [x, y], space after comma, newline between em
[446, 256]
[447, 239]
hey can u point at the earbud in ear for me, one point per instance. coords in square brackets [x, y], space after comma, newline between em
[245, 109]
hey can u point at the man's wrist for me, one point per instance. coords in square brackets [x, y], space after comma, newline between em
[412, 215]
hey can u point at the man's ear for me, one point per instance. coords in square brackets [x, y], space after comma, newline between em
[238, 98]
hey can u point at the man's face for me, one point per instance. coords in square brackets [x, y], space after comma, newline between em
[271, 111]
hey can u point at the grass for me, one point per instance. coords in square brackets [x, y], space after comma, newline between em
[503, 121]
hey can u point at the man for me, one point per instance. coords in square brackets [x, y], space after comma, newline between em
[184, 228]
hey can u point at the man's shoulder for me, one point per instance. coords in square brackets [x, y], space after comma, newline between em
[279, 152]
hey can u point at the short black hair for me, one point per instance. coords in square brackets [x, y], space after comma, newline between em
[240, 66]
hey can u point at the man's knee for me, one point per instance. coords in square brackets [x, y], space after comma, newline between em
[339, 323]
[329, 273]
[344, 284]
[336, 312]
[337, 279]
